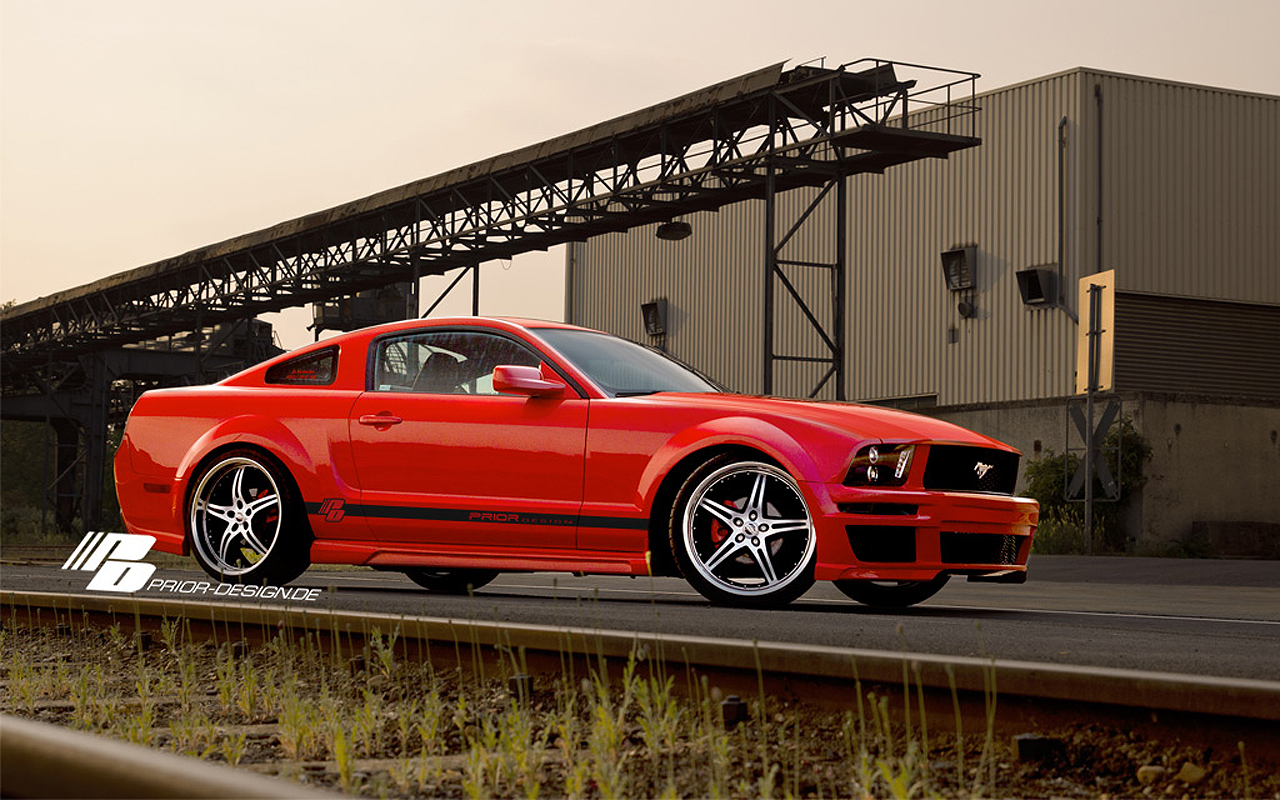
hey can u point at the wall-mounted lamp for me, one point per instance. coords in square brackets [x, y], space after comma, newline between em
[1038, 286]
[674, 231]
[655, 317]
[958, 266]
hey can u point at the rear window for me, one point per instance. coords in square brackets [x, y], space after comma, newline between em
[313, 369]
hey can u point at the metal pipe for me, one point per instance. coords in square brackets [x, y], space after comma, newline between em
[1062, 209]
[44, 760]
[1097, 95]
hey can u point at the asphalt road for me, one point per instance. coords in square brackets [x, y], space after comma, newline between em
[1206, 617]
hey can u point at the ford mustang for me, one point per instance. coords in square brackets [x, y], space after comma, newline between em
[455, 449]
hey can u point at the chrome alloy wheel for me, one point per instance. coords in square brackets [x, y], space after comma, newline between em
[236, 516]
[747, 530]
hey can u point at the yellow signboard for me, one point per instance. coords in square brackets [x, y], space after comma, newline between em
[1102, 322]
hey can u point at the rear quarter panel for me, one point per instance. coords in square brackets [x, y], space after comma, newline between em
[172, 432]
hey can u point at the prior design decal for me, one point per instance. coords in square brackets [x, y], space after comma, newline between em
[333, 509]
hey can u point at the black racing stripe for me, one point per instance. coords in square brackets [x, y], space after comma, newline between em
[492, 517]
[627, 523]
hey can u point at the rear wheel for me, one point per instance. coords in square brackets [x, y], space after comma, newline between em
[742, 534]
[451, 581]
[892, 594]
[245, 521]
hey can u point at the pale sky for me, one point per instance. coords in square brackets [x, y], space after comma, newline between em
[136, 130]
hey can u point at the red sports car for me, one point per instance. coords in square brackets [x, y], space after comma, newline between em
[455, 449]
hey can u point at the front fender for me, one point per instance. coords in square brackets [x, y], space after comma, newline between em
[750, 432]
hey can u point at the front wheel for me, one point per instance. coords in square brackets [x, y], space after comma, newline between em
[451, 581]
[892, 594]
[245, 522]
[742, 534]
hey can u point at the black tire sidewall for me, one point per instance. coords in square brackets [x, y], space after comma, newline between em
[290, 555]
[869, 593]
[459, 581]
[675, 525]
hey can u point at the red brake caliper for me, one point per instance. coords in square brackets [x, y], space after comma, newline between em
[270, 518]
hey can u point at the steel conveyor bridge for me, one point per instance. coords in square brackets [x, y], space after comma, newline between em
[750, 137]
[697, 152]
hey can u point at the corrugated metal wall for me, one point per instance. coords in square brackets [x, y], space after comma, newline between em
[713, 282]
[1001, 198]
[1191, 189]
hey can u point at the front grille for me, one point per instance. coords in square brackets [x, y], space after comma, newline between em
[959, 547]
[882, 543]
[957, 468]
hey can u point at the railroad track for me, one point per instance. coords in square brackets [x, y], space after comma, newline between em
[1032, 696]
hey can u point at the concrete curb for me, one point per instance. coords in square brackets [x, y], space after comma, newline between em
[1134, 689]
[38, 759]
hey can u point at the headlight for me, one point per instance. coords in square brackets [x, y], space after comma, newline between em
[881, 465]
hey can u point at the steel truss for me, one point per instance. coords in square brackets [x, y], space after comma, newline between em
[829, 337]
[781, 130]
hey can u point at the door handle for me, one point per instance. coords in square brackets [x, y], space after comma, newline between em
[379, 419]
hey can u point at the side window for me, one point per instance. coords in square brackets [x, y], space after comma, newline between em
[313, 369]
[446, 362]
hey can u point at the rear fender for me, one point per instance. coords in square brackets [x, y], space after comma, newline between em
[264, 433]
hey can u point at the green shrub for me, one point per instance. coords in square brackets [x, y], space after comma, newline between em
[1046, 483]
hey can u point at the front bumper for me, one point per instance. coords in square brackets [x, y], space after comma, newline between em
[916, 535]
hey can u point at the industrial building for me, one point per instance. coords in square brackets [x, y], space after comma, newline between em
[959, 279]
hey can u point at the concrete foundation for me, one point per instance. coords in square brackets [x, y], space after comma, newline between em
[1213, 480]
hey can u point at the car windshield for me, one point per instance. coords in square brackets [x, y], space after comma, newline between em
[622, 368]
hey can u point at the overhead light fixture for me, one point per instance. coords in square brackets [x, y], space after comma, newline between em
[958, 267]
[674, 231]
[1037, 286]
[655, 317]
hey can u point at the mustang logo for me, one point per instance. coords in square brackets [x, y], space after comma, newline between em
[983, 469]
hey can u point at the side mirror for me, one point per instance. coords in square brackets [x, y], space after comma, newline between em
[527, 381]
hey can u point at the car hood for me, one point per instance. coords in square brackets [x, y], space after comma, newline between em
[861, 421]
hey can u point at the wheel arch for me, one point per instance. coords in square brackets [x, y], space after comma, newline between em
[662, 560]
[753, 437]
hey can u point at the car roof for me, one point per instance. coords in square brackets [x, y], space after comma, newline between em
[361, 336]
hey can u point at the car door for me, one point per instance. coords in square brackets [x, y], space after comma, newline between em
[442, 458]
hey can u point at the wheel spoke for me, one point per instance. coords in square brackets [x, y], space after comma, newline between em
[727, 549]
[718, 510]
[237, 484]
[257, 505]
[787, 526]
[224, 545]
[252, 540]
[756, 501]
[761, 555]
[223, 513]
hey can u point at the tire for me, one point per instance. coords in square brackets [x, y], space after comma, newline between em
[245, 521]
[892, 594]
[451, 581]
[757, 512]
